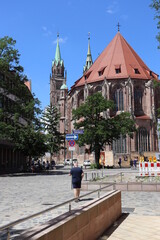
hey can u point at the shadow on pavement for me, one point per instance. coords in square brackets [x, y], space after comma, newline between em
[116, 224]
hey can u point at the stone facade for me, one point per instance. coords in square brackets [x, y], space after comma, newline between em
[120, 75]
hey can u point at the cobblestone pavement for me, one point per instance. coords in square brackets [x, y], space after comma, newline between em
[143, 220]
[21, 196]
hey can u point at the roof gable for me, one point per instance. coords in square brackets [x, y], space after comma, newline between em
[117, 61]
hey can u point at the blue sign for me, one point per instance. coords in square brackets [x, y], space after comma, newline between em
[71, 137]
[78, 131]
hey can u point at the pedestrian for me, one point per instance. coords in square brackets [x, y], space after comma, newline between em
[135, 163]
[77, 175]
[119, 162]
[131, 163]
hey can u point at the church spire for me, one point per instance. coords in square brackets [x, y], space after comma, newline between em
[57, 58]
[89, 61]
[58, 54]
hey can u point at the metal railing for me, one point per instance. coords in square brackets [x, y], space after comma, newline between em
[91, 175]
[7, 227]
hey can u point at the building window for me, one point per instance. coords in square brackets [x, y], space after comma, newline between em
[136, 71]
[138, 100]
[118, 68]
[142, 140]
[100, 73]
[119, 145]
[118, 100]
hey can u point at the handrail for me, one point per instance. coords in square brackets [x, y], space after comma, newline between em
[8, 226]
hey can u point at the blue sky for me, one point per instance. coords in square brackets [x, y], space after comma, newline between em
[34, 25]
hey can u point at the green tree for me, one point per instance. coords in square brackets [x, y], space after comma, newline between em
[98, 129]
[50, 121]
[31, 142]
[19, 108]
[156, 5]
[9, 56]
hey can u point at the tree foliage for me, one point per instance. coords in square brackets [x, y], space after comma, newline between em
[156, 5]
[100, 130]
[19, 108]
[50, 121]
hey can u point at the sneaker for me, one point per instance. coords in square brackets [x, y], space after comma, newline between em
[77, 200]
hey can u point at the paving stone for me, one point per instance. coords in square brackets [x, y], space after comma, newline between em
[25, 195]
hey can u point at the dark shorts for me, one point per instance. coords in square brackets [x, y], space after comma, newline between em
[76, 185]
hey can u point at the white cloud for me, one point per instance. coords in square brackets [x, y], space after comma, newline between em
[110, 11]
[46, 32]
[61, 40]
[112, 8]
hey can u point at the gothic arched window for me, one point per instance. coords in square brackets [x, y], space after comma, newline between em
[142, 140]
[138, 99]
[120, 145]
[98, 89]
[80, 98]
[118, 99]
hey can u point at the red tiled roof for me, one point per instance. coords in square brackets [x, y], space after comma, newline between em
[28, 84]
[118, 54]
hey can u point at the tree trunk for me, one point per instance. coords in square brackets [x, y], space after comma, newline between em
[97, 155]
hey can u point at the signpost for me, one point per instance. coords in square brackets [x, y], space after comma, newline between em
[72, 149]
[71, 143]
[71, 137]
[78, 131]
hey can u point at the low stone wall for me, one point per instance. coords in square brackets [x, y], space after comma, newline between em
[87, 222]
[122, 186]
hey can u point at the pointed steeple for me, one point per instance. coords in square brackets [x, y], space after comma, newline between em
[58, 54]
[89, 61]
[57, 58]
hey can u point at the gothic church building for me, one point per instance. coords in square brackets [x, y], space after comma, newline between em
[120, 75]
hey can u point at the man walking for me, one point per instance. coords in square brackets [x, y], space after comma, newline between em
[77, 175]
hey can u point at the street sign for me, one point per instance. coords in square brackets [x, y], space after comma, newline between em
[71, 148]
[71, 137]
[78, 131]
[71, 143]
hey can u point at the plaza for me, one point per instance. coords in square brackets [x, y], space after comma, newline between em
[22, 196]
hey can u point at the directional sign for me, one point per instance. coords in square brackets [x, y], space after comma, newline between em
[71, 137]
[78, 131]
[71, 143]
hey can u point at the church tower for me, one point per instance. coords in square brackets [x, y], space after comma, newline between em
[59, 94]
[57, 77]
[89, 61]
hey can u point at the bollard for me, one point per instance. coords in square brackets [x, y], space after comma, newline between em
[8, 234]
[98, 194]
[70, 207]
[85, 176]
